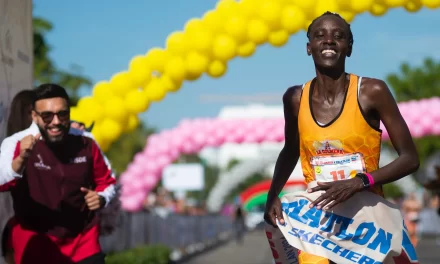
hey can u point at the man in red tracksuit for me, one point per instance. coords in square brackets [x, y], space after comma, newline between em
[61, 180]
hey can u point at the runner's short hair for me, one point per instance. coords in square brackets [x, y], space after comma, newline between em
[50, 90]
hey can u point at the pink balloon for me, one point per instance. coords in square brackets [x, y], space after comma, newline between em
[188, 147]
[162, 161]
[200, 138]
[139, 158]
[436, 128]
[417, 131]
[131, 204]
[151, 150]
[151, 167]
[385, 135]
[173, 154]
[149, 181]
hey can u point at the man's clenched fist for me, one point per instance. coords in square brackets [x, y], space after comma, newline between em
[26, 145]
[93, 200]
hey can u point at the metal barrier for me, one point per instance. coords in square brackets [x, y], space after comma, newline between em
[174, 231]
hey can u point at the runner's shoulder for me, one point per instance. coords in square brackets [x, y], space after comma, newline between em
[373, 88]
[292, 96]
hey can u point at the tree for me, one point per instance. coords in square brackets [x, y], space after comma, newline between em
[417, 83]
[45, 69]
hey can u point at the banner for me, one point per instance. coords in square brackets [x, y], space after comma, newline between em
[365, 229]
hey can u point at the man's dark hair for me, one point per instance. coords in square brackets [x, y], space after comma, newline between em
[328, 13]
[50, 90]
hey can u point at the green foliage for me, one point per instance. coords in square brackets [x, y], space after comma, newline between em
[417, 83]
[155, 254]
[45, 69]
[128, 145]
[392, 191]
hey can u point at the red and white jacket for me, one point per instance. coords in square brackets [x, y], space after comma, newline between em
[47, 196]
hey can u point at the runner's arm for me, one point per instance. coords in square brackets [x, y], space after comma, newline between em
[408, 161]
[7, 151]
[289, 155]
[103, 176]
[9, 176]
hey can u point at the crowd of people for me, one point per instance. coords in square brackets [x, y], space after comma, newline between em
[162, 202]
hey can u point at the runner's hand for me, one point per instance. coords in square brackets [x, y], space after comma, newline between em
[92, 199]
[335, 192]
[27, 144]
[273, 212]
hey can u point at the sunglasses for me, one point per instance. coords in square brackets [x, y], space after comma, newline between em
[48, 116]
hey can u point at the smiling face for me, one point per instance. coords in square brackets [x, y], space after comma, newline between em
[53, 118]
[329, 42]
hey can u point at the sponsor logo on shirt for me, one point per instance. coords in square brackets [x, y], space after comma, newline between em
[40, 164]
[82, 159]
[328, 147]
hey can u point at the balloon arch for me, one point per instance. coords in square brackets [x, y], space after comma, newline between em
[193, 135]
[205, 46]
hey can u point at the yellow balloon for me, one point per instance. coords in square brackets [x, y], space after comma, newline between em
[346, 5]
[136, 101]
[308, 7]
[378, 10]
[236, 27]
[114, 108]
[323, 6]
[155, 90]
[258, 31]
[75, 114]
[110, 130]
[394, 3]
[121, 83]
[102, 91]
[347, 15]
[227, 7]
[431, 3]
[176, 43]
[169, 84]
[175, 69]
[270, 13]
[97, 136]
[90, 108]
[217, 69]
[249, 8]
[201, 41]
[225, 48]
[213, 21]
[246, 49]
[139, 71]
[157, 58]
[193, 25]
[292, 19]
[361, 6]
[196, 64]
[413, 5]
[132, 124]
[279, 38]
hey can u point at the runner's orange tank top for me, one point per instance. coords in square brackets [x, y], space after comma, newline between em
[348, 133]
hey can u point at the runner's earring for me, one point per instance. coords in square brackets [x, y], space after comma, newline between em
[309, 53]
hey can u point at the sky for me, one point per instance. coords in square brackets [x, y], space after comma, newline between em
[102, 37]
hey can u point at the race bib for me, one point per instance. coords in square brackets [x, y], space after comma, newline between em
[337, 167]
